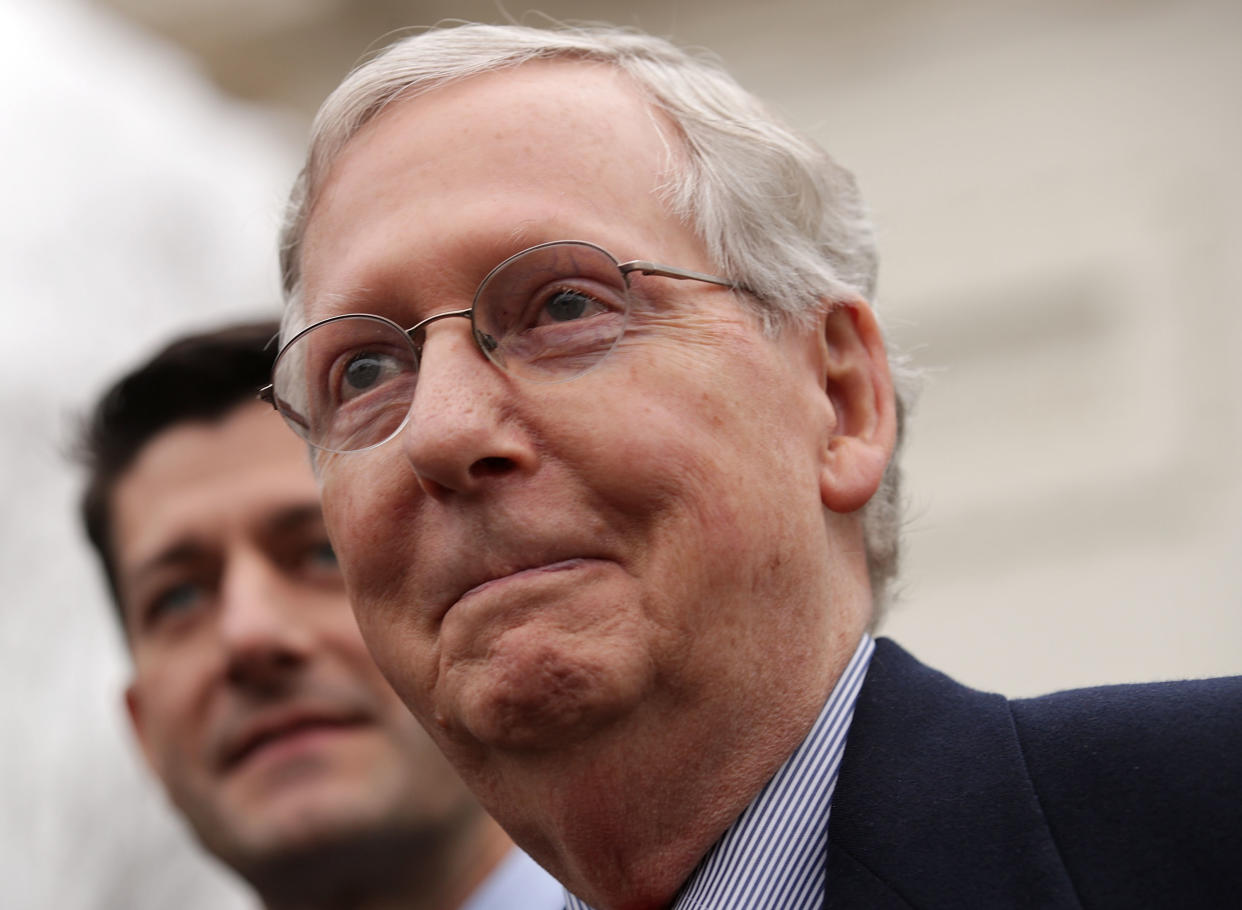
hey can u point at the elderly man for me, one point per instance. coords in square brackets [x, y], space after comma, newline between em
[604, 426]
[253, 696]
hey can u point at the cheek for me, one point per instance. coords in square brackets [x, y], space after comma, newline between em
[347, 498]
[371, 504]
[365, 518]
[384, 659]
[699, 479]
[348, 644]
[170, 722]
[682, 470]
[391, 650]
[409, 670]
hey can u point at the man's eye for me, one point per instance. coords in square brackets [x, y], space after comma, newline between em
[564, 306]
[359, 372]
[363, 371]
[176, 600]
[322, 556]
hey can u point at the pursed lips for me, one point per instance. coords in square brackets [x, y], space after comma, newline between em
[503, 577]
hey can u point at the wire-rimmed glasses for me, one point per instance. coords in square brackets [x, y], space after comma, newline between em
[548, 314]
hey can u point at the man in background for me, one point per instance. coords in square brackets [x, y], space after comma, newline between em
[253, 696]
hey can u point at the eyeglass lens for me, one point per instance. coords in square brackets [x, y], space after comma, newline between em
[547, 314]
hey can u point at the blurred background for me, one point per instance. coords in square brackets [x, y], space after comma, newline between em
[1060, 218]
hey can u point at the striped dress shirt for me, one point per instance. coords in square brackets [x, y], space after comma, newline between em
[774, 856]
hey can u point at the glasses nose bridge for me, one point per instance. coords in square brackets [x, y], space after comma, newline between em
[419, 329]
[417, 332]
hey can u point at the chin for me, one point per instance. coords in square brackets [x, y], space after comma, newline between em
[305, 848]
[295, 820]
[530, 695]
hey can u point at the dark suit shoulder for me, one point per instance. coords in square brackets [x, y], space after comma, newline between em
[1107, 711]
[933, 808]
[1118, 797]
[1142, 788]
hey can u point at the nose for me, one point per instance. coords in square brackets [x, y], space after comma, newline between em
[265, 640]
[463, 431]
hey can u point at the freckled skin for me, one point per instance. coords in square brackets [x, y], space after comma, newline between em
[677, 478]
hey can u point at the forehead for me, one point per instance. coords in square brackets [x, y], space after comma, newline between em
[488, 165]
[202, 480]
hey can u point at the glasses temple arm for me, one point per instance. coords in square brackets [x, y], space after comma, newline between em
[268, 394]
[646, 267]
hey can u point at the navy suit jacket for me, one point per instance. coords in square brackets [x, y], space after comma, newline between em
[1115, 797]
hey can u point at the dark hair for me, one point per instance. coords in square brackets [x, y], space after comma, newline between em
[201, 376]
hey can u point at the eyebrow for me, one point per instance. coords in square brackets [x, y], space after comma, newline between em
[331, 303]
[177, 553]
[294, 518]
[188, 549]
[484, 251]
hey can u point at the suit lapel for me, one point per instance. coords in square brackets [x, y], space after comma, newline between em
[933, 806]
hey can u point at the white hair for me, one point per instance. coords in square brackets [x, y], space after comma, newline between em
[773, 210]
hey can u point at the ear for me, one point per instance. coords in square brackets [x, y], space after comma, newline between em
[133, 707]
[856, 378]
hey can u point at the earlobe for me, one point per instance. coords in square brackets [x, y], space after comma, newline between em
[857, 381]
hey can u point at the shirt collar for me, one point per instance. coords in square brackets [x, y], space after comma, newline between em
[774, 855]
